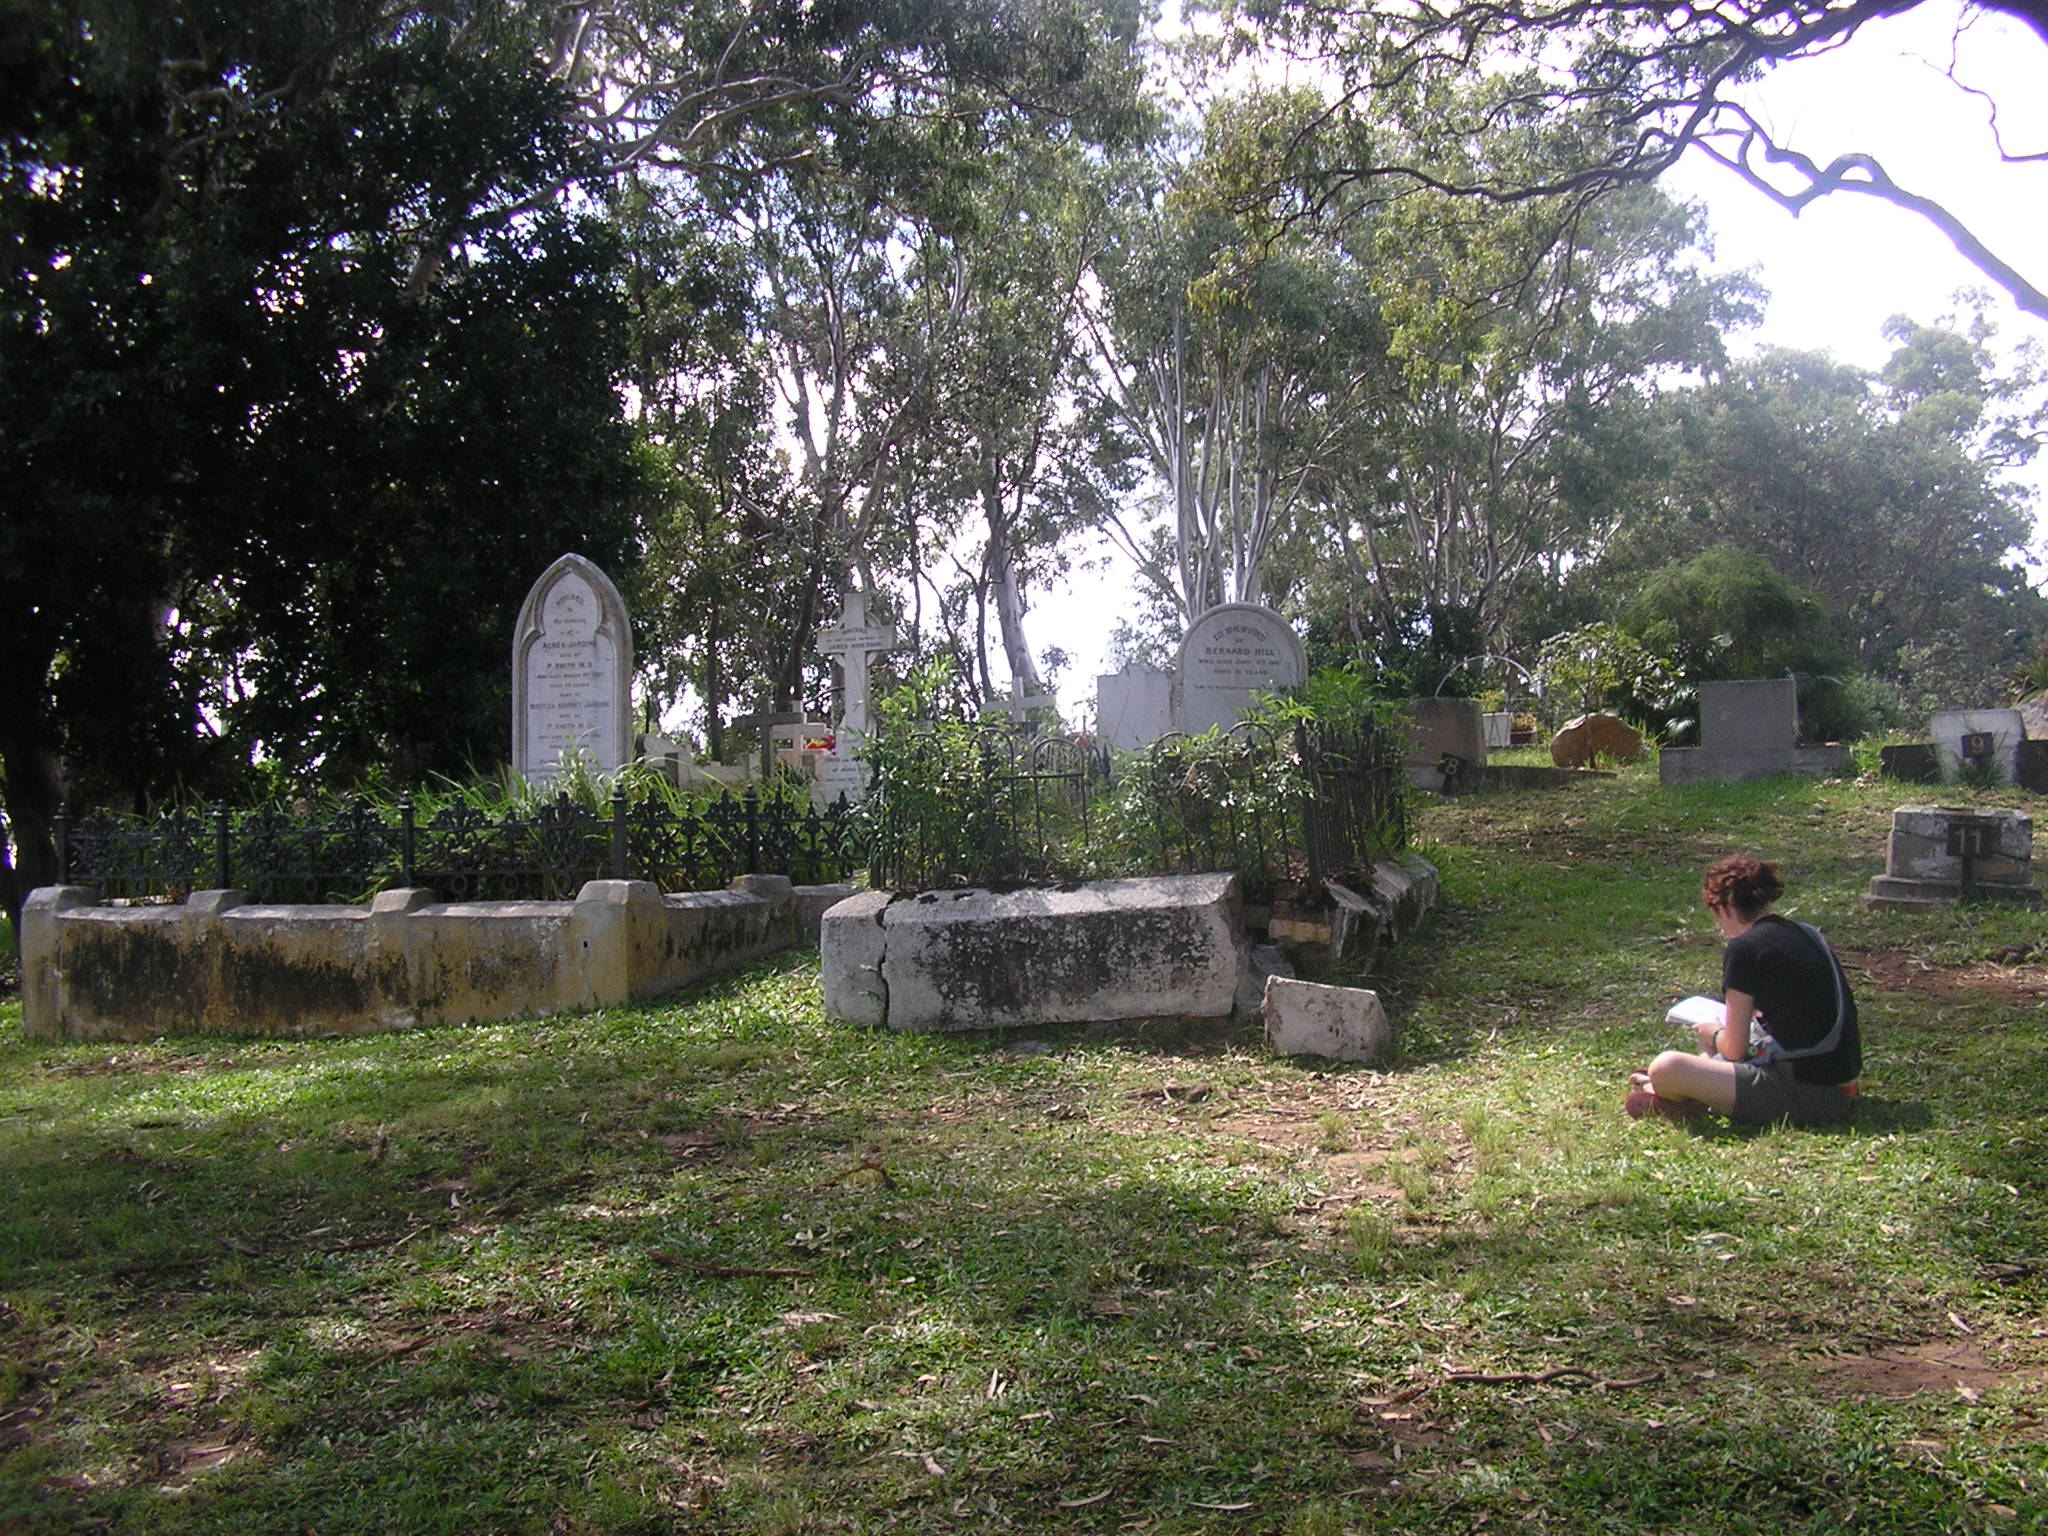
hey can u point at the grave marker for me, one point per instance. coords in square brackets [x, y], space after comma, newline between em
[1749, 730]
[1231, 653]
[572, 673]
[853, 640]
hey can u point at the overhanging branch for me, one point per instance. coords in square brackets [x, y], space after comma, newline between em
[1864, 176]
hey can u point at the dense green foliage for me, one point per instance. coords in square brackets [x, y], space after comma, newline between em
[719, 1263]
[968, 803]
[283, 447]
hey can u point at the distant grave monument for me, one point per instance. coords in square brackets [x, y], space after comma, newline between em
[1985, 741]
[572, 673]
[1134, 707]
[852, 641]
[1445, 742]
[1749, 730]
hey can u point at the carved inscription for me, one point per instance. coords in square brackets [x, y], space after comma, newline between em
[572, 674]
[1230, 654]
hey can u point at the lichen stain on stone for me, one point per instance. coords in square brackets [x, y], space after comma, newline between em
[1007, 968]
[295, 991]
[140, 963]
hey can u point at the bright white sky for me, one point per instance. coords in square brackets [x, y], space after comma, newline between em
[1840, 269]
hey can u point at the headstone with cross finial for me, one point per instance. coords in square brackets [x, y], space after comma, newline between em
[852, 641]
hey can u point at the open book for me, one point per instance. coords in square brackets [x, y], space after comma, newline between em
[1691, 1011]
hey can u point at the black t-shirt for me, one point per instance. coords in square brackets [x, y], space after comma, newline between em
[1794, 987]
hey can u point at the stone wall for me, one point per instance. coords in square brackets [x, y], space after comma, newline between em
[220, 963]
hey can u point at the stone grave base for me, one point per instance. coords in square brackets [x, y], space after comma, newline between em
[940, 961]
[1170, 946]
[1938, 855]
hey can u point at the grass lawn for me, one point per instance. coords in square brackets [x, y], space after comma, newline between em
[716, 1266]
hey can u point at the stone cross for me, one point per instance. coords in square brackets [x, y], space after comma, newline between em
[853, 640]
[1017, 705]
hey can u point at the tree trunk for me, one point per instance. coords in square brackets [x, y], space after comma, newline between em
[33, 798]
[1009, 591]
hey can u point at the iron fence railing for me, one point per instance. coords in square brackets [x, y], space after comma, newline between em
[983, 806]
[460, 851]
[999, 808]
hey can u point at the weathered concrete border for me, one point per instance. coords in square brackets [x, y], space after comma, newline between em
[220, 963]
[1392, 898]
[1169, 946]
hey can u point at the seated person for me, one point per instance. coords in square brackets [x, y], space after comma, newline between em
[1802, 1061]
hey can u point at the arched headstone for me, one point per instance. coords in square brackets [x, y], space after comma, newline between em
[1230, 653]
[572, 673]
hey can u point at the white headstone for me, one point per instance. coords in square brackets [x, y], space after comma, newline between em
[852, 640]
[1134, 707]
[572, 673]
[1230, 654]
[1991, 737]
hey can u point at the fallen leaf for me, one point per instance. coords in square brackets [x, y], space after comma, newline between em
[1093, 1498]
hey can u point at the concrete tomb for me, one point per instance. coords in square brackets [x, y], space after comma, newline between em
[220, 962]
[1160, 947]
[1938, 855]
[1749, 730]
[572, 674]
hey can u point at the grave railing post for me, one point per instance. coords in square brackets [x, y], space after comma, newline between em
[406, 845]
[751, 803]
[61, 828]
[622, 842]
[223, 849]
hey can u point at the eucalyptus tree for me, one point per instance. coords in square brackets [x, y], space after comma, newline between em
[1014, 465]
[1648, 80]
[1526, 345]
[1230, 350]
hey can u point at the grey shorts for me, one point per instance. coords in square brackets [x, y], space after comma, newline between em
[1766, 1095]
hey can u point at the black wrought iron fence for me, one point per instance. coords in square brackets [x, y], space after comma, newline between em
[1355, 805]
[993, 807]
[984, 804]
[460, 851]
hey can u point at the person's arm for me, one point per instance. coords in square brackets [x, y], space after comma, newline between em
[1733, 1041]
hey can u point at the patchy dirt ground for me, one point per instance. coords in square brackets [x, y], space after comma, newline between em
[1943, 1366]
[1894, 970]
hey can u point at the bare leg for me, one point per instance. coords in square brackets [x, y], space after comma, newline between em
[1699, 1079]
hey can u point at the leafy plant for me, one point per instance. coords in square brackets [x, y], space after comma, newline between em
[1602, 665]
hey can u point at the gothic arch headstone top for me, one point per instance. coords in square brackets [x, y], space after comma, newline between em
[572, 674]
